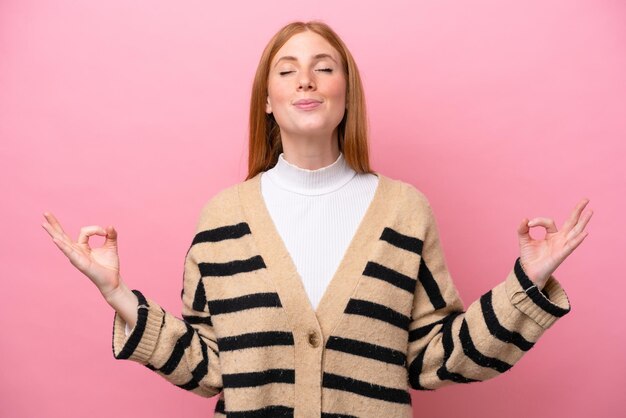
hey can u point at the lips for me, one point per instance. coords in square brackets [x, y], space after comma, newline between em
[307, 103]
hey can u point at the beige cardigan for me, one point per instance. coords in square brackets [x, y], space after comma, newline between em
[390, 320]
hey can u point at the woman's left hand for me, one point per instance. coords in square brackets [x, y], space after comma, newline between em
[541, 257]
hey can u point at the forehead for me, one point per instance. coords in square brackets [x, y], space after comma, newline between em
[305, 45]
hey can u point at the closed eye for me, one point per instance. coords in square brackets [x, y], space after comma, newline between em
[328, 70]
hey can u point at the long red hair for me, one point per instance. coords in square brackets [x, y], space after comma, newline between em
[265, 144]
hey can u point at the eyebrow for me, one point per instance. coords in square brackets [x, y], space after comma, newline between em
[315, 58]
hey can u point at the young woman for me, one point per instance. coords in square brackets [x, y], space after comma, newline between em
[317, 287]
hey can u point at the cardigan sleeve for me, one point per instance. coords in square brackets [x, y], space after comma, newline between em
[183, 351]
[448, 344]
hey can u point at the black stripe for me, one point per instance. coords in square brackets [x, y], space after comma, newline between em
[446, 338]
[367, 389]
[402, 241]
[148, 365]
[448, 346]
[377, 311]
[199, 297]
[219, 406]
[162, 319]
[251, 379]
[535, 295]
[499, 331]
[232, 267]
[255, 300]
[329, 415]
[179, 349]
[199, 372]
[192, 384]
[477, 357]
[430, 285]
[273, 411]
[417, 333]
[222, 233]
[137, 333]
[363, 349]
[388, 275]
[255, 339]
[193, 319]
[415, 370]
[444, 374]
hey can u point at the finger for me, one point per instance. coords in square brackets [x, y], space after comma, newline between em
[49, 229]
[87, 231]
[56, 227]
[523, 231]
[54, 222]
[580, 226]
[573, 219]
[68, 250]
[547, 223]
[75, 257]
[572, 244]
[55, 233]
[111, 239]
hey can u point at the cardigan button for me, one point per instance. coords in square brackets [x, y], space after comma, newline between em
[314, 340]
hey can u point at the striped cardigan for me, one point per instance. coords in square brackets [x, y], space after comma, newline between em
[390, 320]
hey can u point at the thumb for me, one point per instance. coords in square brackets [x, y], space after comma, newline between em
[111, 239]
[523, 231]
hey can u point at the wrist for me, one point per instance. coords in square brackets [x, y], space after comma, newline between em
[540, 283]
[119, 295]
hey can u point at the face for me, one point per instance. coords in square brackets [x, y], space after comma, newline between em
[306, 87]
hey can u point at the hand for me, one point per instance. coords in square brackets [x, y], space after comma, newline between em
[540, 258]
[101, 265]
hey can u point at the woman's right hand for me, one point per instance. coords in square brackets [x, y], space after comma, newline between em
[101, 265]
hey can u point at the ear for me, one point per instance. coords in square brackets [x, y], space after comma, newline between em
[268, 106]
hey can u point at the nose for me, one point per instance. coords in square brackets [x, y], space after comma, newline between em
[305, 82]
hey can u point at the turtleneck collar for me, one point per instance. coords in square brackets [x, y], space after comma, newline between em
[310, 182]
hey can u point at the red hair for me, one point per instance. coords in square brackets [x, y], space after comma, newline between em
[265, 144]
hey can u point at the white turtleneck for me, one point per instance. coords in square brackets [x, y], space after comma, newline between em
[316, 213]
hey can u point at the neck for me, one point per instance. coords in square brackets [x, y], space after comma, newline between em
[310, 152]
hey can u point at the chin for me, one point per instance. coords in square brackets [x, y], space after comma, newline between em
[313, 131]
[322, 128]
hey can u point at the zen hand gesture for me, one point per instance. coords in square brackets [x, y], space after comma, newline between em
[540, 258]
[101, 265]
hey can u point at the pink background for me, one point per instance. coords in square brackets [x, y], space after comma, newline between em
[134, 113]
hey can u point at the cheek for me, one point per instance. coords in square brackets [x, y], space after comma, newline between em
[277, 93]
[338, 90]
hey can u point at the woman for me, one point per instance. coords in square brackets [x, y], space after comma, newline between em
[317, 287]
